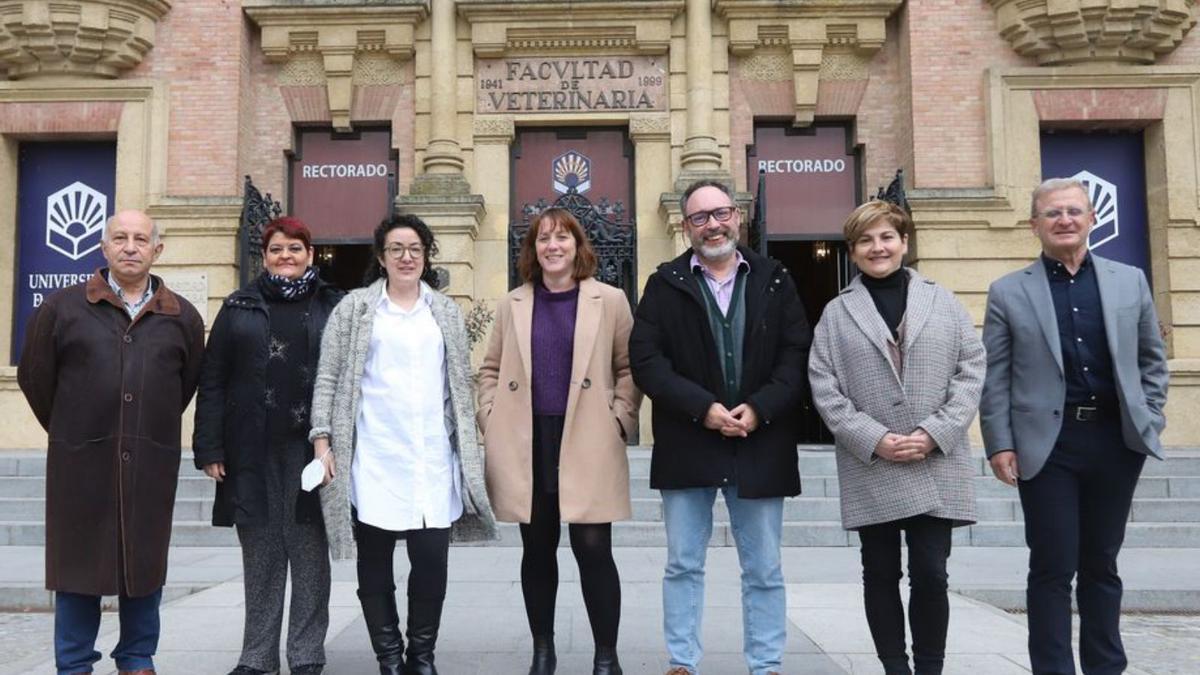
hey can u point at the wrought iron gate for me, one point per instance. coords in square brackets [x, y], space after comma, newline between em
[257, 211]
[613, 238]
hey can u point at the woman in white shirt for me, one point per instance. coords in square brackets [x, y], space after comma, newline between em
[393, 405]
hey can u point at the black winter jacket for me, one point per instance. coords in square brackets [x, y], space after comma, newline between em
[675, 362]
[231, 411]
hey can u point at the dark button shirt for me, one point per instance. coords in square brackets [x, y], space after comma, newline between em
[1087, 361]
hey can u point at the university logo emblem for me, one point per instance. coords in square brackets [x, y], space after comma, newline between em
[1104, 203]
[572, 172]
[75, 220]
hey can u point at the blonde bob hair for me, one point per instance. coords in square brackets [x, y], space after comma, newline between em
[870, 214]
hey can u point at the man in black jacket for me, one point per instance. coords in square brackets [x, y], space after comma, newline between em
[720, 345]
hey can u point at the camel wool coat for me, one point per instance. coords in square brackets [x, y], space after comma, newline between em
[602, 409]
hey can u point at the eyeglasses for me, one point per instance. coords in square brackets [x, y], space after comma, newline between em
[700, 218]
[1055, 214]
[396, 251]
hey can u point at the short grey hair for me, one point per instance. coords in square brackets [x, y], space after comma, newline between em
[1056, 185]
[154, 234]
[702, 183]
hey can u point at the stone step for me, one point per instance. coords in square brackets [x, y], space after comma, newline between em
[643, 533]
[813, 461]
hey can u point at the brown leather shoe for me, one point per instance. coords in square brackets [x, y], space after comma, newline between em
[679, 670]
[144, 671]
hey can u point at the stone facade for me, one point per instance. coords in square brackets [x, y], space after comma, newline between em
[200, 93]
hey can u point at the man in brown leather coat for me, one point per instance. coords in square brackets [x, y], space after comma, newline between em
[108, 366]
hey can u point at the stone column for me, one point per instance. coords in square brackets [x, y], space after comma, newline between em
[443, 155]
[701, 157]
[440, 194]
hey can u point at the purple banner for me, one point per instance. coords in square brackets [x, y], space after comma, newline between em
[64, 195]
[1113, 168]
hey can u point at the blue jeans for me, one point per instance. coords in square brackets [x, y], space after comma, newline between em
[77, 621]
[757, 525]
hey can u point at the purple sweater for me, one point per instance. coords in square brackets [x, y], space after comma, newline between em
[552, 344]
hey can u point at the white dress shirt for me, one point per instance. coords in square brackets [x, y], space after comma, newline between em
[405, 475]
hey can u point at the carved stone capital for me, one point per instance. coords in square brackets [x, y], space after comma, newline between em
[648, 127]
[807, 29]
[494, 129]
[341, 37]
[81, 38]
[508, 27]
[1067, 32]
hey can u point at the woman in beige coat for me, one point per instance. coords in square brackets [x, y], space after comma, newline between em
[556, 381]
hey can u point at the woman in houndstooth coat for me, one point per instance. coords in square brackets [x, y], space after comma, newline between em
[896, 370]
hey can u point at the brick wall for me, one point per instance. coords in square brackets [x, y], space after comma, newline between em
[198, 54]
[951, 43]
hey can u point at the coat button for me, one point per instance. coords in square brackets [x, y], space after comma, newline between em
[128, 398]
[512, 385]
[586, 383]
[125, 456]
[128, 339]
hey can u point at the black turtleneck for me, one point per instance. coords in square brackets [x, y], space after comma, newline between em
[891, 297]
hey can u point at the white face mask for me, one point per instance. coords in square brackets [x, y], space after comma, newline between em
[313, 474]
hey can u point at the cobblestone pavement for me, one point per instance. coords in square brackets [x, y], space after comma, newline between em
[1159, 644]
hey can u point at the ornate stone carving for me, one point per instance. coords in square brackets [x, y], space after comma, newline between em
[303, 70]
[340, 36]
[645, 127]
[494, 129]
[854, 29]
[377, 69]
[841, 65]
[767, 66]
[84, 38]
[1065, 32]
[506, 27]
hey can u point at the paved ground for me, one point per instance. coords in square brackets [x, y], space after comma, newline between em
[484, 629]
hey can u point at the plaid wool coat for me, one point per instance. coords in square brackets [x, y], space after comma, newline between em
[861, 397]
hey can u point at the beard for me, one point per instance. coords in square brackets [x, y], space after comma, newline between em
[715, 251]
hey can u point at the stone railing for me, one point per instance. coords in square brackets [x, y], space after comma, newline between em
[88, 38]
[1066, 32]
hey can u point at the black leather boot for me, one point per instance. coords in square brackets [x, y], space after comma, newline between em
[424, 617]
[383, 625]
[544, 660]
[605, 662]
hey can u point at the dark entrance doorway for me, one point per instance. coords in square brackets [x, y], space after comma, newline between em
[820, 268]
[588, 171]
[344, 265]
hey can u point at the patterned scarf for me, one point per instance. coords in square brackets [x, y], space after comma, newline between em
[277, 287]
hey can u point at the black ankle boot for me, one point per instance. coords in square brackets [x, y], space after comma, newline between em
[544, 661]
[383, 625]
[424, 617]
[895, 665]
[605, 662]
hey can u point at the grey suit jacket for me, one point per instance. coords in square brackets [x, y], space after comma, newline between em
[1025, 389]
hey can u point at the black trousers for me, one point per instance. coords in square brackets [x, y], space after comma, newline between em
[928, 540]
[428, 554]
[1075, 513]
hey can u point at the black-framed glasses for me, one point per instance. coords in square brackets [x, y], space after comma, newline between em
[700, 218]
[397, 251]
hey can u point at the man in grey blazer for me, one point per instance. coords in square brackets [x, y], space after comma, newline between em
[1072, 404]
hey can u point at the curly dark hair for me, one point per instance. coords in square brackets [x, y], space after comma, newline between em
[428, 274]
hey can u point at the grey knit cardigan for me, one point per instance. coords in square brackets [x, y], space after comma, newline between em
[861, 397]
[337, 395]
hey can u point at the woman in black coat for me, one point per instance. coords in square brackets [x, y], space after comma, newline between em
[251, 437]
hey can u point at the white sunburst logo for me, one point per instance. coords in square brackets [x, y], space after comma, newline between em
[1104, 204]
[572, 171]
[75, 220]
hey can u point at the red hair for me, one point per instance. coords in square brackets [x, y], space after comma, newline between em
[292, 228]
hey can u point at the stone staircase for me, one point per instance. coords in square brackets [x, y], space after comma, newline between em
[1166, 508]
